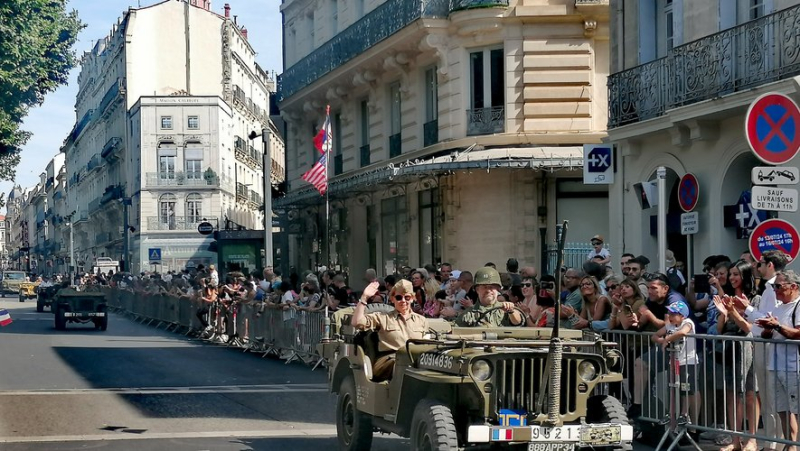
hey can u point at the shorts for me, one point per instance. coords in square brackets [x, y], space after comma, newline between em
[786, 391]
[688, 376]
[656, 359]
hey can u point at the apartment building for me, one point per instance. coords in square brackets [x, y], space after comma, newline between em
[684, 75]
[458, 128]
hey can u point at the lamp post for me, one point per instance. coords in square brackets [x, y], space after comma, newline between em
[266, 134]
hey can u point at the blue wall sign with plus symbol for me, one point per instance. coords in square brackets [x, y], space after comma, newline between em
[598, 164]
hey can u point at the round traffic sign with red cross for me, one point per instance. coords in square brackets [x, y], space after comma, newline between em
[775, 235]
[688, 192]
[772, 127]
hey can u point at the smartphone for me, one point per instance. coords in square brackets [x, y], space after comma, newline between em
[627, 309]
[701, 284]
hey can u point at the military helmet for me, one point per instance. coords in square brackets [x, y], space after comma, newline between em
[487, 276]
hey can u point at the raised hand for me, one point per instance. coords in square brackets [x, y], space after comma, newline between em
[720, 303]
[371, 290]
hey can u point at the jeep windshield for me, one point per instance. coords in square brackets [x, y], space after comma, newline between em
[14, 276]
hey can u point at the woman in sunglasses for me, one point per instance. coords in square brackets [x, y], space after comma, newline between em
[394, 328]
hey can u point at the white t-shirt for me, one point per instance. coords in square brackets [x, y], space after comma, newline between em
[784, 356]
[767, 306]
[603, 253]
[688, 355]
[287, 298]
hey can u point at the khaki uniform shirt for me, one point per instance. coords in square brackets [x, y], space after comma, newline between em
[497, 318]
[394, 330]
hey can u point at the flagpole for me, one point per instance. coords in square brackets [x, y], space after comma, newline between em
[327, 190]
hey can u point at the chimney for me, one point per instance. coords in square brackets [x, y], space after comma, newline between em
[244, 32]
[227, 10]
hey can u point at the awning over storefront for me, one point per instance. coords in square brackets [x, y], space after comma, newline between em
[348, 185]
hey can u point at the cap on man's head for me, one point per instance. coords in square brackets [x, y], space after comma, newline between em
[455, 274]
[598, 238]
[680, 308]
[402, 286]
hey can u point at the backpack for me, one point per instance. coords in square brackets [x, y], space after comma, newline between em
[675, 281]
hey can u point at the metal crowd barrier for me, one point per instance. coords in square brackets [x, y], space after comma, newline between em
[731, 376]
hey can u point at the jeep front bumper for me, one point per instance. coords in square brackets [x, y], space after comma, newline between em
[579, 434]
[84, 314]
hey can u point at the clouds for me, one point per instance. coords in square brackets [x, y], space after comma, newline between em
[52, 121]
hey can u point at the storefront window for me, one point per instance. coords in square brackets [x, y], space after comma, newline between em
[429, 227]
[394, 234]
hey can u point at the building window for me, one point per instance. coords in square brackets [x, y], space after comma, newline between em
[394, 236]
[166, 122]
[669, 26]
[756, 9]
[487, 92]
[338, 158]
[194, 208]
[364, 150]
[431, 127]
[193, 123]
[334, 15]
[166, 167]
[194, 169]
[395, 121]
[429, 229]
[166, 211]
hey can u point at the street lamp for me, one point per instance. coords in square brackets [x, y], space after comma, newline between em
[266, 134]
[71, 267]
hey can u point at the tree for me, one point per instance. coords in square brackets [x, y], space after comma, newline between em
[36, 55]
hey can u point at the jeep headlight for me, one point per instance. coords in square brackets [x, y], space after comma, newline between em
[587, 370]
[481, 370]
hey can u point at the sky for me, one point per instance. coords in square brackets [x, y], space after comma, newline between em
[52, 121]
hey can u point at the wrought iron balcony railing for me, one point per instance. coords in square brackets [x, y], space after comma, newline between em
[752, 54]
[175, 222]
[189, 179]
[486, 121]
[382, 22]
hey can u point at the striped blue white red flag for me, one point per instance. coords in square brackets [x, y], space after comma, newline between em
[5, 317]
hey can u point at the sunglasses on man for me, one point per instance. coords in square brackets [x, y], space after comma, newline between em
[407, 298]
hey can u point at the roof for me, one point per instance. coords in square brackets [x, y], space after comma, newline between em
[549, 158]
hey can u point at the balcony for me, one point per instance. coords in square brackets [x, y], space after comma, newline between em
[395, 145]
[176, 222]
[381, 23]
[207, 179]
[460, 5]
[364, 151]
[430, 133]
[94, 205]
[110, 150]
[739, 58]
[94, 163]
[112, 192]
[485, 121]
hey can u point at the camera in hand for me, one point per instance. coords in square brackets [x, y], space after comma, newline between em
[701, 284]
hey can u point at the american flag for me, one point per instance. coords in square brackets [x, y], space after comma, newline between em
[5, 318]
[318, 174]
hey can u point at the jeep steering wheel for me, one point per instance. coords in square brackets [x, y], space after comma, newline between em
[481, 315]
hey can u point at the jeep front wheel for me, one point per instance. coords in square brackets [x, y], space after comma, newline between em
[433, 428]
[607, 409]
[353, 428]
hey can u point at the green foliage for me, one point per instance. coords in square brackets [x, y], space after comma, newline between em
[36, 40]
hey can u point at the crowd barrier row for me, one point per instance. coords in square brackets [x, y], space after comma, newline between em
[732, 373]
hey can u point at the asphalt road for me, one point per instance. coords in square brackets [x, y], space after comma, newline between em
[134, 387]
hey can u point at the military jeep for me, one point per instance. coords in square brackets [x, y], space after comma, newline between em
[83, 307]
[478, 388]
[45, 296]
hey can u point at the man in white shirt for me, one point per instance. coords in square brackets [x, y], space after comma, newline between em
[770, 263]
[784, 324]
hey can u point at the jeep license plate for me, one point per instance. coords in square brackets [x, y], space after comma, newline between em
[551, 446]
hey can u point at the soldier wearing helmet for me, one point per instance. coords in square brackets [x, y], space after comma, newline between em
[487, 283]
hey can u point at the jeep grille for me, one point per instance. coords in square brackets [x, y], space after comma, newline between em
[85, 305]
[518, 382]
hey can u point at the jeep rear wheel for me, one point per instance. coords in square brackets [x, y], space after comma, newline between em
[39, 306]
[607, 409]
[101, 323]
[433, 427]
[353, 428]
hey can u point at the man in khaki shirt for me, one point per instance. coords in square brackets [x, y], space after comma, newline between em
[394, 329]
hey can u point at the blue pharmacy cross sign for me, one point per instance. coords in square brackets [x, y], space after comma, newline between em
[772, 127]
[688, 192]
[155, 254]
[599, 159]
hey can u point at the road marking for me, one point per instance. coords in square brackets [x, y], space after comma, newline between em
[280, 433]
[212, 389]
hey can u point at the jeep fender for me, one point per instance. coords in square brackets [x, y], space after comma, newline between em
[421, 384]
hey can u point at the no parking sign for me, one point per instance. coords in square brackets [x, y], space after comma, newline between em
[772, 128]
[775, 235]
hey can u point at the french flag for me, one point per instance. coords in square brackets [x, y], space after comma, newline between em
[323, 141]
[5, 318]
[505, 435]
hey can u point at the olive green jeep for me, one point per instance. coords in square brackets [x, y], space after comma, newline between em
[83, 307]
[477, 387]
